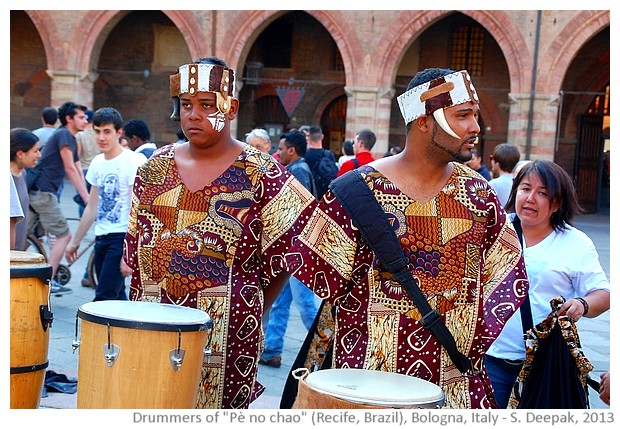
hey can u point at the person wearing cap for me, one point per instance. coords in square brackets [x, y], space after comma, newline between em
[211, 225]
[460, 247]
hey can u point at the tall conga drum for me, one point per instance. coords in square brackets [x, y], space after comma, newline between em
[365, 389]
[135, 354]
[31, 319]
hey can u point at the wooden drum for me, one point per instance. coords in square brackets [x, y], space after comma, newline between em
[31, 319]
[360, 388]
[140, 355]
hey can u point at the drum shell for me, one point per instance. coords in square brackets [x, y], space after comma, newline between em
[309, 397]
[142, 375]
[30, 333]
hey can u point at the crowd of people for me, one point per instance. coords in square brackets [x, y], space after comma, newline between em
[244, 229]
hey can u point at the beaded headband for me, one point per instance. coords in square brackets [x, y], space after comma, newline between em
[445, 91]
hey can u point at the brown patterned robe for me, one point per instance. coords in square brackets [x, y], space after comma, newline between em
[216, 250]
[466, 257]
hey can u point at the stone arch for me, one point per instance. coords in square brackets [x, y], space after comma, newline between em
[46, 28]
[191, 30]
[245, 28]
[325, 100]
[94, 28]
[409, 25]
[566, 45]
[78, 53]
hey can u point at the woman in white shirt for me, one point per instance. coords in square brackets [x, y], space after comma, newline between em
[559, 259]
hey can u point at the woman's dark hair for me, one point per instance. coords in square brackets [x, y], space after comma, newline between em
[22, 139]
[560, 190]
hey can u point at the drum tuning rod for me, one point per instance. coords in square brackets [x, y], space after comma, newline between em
[75, 344]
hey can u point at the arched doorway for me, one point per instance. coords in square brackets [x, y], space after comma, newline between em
[582, 141]
[593, 152]
[465, 44]
[294, 52]
[333, 123]
[30, 84]
[134, 67]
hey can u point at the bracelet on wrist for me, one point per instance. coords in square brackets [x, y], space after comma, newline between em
[583, 302]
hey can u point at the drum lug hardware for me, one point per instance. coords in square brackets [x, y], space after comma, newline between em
[177, 356]
[110, 353]
[46, 317]
[207, 353]
[75, 344]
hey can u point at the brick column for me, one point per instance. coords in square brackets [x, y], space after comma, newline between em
[69, 85]
[370, 107]
[544, 124]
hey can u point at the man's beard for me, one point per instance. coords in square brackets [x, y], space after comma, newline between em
[456, 155]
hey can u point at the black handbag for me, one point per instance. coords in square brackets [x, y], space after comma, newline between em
[555, 375]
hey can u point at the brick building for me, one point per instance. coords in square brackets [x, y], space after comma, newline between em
[543, 76]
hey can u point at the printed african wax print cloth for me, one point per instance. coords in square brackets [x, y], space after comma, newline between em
[555, 371]
[216, 249]
[466, 257]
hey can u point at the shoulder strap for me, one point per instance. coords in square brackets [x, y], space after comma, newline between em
[368, 216]
[356, 162]
[526, 310]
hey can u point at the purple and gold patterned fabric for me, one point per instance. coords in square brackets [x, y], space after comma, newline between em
[466, 257]
[216, 249]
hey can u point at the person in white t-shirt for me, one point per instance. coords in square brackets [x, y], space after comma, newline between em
[560, 260]
[111, 175]
[503, 161]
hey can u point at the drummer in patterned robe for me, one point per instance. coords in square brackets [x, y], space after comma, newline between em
[461, 249]
[211, 220]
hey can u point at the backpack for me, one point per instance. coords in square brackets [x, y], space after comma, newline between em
[324, 171]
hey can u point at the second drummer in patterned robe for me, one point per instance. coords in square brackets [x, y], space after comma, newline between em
[211, 221]
[460, 247]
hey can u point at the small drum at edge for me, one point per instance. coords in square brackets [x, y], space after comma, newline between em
[136, 354]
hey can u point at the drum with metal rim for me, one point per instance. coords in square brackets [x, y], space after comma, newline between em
[140, 354]
[360, 388]
[31, 319]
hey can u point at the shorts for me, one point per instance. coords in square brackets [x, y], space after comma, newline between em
[47, 210]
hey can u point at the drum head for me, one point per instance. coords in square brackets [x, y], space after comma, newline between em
[145, 315]
[19, 258]
[387, 389]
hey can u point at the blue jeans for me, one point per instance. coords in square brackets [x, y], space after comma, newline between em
[108, 254]
[503, 374]
[280, 312]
